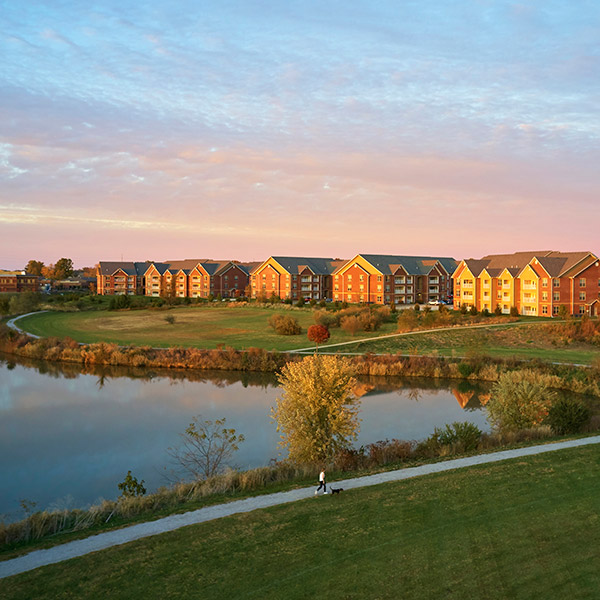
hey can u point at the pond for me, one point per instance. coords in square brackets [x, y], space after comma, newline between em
[68, 436]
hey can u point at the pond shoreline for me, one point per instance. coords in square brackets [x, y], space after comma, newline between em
[576, 378]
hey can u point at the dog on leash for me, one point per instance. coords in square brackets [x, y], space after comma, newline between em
[336, 490]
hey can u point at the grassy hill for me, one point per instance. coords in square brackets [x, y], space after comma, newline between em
[526, 528]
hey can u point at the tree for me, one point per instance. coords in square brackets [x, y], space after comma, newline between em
[130, 487]
[34, 267]
[206, 447]
[318, 334]
[520, 400]
[317, 413]
[63, 268]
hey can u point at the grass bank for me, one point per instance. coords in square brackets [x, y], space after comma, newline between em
[525, 528]
[523, 340]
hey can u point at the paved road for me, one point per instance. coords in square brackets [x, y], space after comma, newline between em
[39, 558]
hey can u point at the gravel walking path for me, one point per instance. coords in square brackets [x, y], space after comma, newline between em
[39, 558]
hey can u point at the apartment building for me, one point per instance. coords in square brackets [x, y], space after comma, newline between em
[18, 281]
[387, 279]
[293, 277]
[118, 278]
[194, 278]
[197, 279]
[536, 283]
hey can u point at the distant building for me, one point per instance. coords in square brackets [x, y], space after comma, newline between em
[197, 279]
[18, 281]
[535, 283]
[190, 278]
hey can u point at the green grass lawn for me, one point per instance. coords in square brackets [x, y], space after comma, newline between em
[202, 327]
[526, 528]
[521, 340]
[243, 327]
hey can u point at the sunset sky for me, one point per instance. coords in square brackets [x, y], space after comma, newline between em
[218, 129]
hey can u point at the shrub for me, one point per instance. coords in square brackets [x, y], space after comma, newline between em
[326, 319]
[568, 415]
[463, 436]
[285, 324]
[514, 311]
[352, 324]
[520, 400]
[465, 369]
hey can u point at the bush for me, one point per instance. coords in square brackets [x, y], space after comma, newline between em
[463, 436]
[514, 311]
[568, 415]
[352, 324]
[285, 325]
[520, 400]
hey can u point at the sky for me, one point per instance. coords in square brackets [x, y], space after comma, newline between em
[238, 130]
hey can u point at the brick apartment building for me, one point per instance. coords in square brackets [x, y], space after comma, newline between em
[293, 277]
[536, 283]
[387, 279]
[18, 281]
[184, 278]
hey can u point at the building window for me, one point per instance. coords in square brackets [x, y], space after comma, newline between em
[555, 310]
[556, 282]
[582, 282]
[556, 296]
[544, 282]
[582, 295]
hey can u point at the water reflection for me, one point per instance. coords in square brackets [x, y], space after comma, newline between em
[67, 430]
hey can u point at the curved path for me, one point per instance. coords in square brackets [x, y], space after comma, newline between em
[39, 558]
[13, 323]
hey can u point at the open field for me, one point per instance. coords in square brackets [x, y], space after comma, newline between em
[237, 326]
[526, 528]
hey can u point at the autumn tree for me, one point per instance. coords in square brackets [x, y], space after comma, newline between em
[34, 267]
[318, 334]
[206, 447]
[317, 413]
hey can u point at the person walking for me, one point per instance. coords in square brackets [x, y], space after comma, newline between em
[322, 483]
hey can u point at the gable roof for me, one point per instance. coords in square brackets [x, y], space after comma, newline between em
[555, 263]
[413, 265]
[108, 268]
[296, 264]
